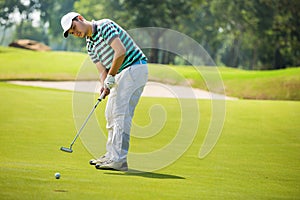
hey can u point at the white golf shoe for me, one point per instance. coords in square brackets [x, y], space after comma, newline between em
[111, 165]
[100, 160]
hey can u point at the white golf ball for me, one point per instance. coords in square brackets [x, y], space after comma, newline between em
[57, 175]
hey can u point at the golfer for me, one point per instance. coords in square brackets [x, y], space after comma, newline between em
[123, 74]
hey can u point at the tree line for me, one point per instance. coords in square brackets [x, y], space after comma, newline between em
[248, 34]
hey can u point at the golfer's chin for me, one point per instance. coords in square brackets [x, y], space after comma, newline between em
[81, 35]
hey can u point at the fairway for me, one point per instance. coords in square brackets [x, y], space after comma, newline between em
[256, 157]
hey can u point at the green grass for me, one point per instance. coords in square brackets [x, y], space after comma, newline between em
[18, 64]
[256, 157]
[273, 84]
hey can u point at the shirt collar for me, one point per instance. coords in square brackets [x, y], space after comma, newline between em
[94, 30]
[94, 27]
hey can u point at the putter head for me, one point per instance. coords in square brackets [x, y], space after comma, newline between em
[65, 149]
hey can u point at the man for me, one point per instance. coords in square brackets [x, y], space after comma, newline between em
[123, 74]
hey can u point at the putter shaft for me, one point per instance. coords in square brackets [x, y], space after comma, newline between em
[69, 150]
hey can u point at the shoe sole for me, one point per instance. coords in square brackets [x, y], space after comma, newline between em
[109, 168]
[92, 162]
[95, 162]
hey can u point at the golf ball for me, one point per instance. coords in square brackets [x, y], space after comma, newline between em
[57, 175]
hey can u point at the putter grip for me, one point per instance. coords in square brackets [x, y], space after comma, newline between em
[101, 96]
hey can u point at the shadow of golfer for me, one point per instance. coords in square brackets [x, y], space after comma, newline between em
[133, 172]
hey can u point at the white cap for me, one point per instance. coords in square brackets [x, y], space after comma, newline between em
[66, 22]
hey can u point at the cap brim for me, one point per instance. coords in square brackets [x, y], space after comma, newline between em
[66, 34]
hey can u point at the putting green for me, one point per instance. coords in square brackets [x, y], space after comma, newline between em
[256, 157]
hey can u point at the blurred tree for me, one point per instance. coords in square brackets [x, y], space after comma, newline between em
[10, 8]
[30, 32]
[51, 13]
[7, 8]
[49, 27]
[156, 13]
[142, 13]
[91, 9]
[256, 34]
[263, 33]
[286, 32]
[238, 22]
[200, 24]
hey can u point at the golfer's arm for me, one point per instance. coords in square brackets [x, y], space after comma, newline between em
[102, 72]
[119, 55]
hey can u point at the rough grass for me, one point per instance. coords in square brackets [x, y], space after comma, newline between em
[17, 64]
[273, 84]
[256, 157]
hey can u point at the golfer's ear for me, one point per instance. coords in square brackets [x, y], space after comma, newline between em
[80, 18]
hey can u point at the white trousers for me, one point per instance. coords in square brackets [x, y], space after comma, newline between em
[120, 107]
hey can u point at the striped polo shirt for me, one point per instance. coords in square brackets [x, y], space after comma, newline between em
[99, 49]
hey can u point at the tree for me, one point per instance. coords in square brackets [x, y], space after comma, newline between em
[256, 34]
[10, 7]
[142, 13]
[262, 32]
[286, 31]
[238, 22]
[51, 13]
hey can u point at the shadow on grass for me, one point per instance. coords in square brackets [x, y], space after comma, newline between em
[133, 172]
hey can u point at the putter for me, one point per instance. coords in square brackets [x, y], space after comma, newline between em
[70, 150]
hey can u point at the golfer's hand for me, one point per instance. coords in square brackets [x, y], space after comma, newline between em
[106, 90]
[109, 82]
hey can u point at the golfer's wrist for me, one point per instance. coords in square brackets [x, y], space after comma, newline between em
[109, 82]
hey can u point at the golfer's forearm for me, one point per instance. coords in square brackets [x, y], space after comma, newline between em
[102, 77]
[119, 56]
[116, 64]
[102, 72]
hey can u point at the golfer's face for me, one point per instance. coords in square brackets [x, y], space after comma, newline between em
[78, 29]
